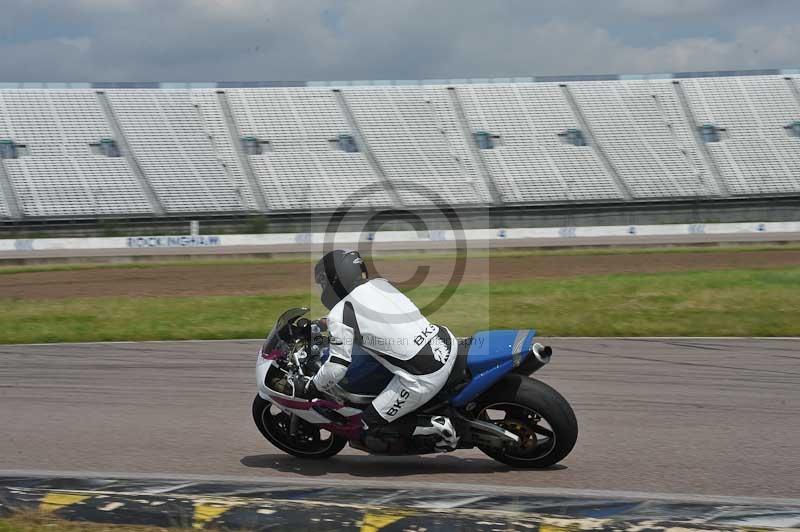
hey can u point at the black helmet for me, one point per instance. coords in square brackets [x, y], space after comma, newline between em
[338, 272]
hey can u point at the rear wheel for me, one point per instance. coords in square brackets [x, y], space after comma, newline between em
[539, 415]
[293, 435]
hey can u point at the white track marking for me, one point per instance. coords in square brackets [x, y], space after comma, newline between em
[435, 486]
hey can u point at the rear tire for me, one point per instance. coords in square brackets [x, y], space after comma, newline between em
[272, 427]
[523, 394]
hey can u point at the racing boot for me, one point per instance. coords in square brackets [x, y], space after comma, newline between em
[382, 438]
[442, 428]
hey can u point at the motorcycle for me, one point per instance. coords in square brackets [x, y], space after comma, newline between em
[490, 398]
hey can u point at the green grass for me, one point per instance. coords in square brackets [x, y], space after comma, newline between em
[715, 303]
[141, 318]
[398, 256]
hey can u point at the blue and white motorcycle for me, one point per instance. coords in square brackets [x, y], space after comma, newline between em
[490, 398]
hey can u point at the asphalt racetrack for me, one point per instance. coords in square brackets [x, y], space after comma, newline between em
[691, 416]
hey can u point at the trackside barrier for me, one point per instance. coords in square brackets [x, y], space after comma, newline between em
[403, 239]
[284, 505]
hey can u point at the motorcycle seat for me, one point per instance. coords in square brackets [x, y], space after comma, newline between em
[459, 375]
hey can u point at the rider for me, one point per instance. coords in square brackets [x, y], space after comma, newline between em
[377, 318]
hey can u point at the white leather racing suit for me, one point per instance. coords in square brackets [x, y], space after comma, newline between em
[387, 325]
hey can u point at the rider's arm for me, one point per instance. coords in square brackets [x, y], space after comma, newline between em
[340, 352]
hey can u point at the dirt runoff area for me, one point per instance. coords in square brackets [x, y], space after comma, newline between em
[287, 278]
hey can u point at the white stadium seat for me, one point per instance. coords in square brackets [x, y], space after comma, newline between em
[531, 164]
[413, 133]
[649, 144]
[212, 119]
[165, 133]
[756, 156]
[237, 150]
[61, 176]
[300, 167]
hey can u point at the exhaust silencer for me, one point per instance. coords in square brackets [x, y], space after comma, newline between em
[538, 357]
[542, 352]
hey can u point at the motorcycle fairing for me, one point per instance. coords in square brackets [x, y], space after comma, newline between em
[491, 355]
[306, 409]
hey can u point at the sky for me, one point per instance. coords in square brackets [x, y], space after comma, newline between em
[334, 40]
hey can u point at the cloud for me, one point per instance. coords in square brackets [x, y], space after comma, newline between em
[671, 8]
[384, 39]
[54, 59]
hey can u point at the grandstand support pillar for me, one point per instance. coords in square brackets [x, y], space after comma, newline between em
[361, 141]
[701, 146]
[793, 87]
[8, 194]
[475, 151]
[622, 186]
[130, 157]
[244, 161]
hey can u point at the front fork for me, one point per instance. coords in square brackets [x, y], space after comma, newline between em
[294, 422]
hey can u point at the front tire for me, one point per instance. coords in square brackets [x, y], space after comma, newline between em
[535, 412]
[309, 441]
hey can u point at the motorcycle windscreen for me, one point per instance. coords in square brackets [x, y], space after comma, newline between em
[274, 338]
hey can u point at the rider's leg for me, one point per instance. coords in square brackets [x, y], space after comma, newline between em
[402, 396]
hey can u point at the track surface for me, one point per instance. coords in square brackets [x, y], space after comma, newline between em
[709, 416]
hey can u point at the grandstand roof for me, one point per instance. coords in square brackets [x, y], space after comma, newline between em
[351, 83]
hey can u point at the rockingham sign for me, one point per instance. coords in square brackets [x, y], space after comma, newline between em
[400, 239]
[195, 241]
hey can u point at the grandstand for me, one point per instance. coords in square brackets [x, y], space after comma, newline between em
[89, 151]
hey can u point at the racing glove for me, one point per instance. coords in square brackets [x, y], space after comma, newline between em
[304, 388]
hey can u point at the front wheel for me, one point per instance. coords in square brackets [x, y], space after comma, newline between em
[294, 436]
[537, 413]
